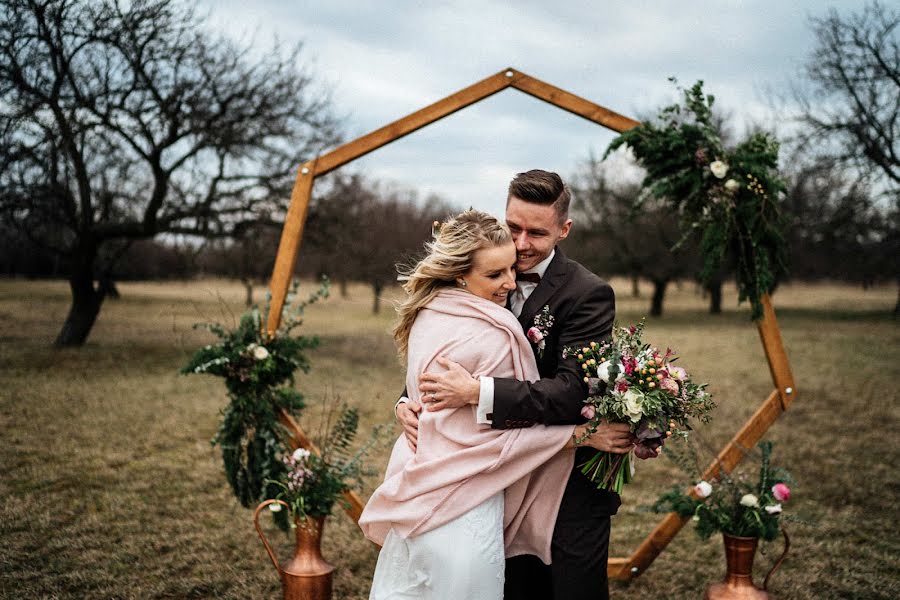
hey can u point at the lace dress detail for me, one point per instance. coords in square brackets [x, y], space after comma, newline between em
[461, 560]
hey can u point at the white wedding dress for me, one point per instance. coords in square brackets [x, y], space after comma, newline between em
[461, 560]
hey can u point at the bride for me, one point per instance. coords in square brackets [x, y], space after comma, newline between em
[448, 514]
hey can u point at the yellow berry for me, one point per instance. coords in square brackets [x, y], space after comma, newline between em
[652, 385]
[652, 371]
[585, 379]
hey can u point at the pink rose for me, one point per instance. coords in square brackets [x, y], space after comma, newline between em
[670, 385]
[622, 386]
[534, 334]
[588, 412]
[781, 492]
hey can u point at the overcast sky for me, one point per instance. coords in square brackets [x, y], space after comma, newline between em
[383, 60]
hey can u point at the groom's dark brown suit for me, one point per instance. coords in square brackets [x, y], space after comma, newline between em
[583, 308]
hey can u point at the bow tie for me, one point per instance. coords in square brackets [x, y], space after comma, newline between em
[529, 277]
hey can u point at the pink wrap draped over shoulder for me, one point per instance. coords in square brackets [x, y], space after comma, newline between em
[460, 464]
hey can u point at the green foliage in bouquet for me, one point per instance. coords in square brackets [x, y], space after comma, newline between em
[312, 483]
[258, 370]
[728, 197]
[730, 504]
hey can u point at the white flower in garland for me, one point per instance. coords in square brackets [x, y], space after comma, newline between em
[260, 353]
[732, 185]
[773, 509]
[750, 500]
[703, 489]
[718, 168]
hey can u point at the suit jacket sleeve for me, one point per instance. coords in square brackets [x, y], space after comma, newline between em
[558, 400]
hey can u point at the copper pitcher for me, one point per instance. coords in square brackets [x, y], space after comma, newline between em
[738, 584]
[305, 576]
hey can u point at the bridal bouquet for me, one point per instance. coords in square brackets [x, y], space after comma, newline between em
[630, 382]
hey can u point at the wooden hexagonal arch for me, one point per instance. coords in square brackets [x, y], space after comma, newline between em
[773, 406]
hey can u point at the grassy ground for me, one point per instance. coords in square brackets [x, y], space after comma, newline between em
[109, 487]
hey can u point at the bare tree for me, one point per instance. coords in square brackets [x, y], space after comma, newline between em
[120, 121]
[361, 229]
[610, 236]
[851, 106]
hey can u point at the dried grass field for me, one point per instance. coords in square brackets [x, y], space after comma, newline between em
[109, 487]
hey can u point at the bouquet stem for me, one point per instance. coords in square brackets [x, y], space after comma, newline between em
[609, 471]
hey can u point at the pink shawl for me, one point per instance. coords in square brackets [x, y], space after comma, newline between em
[459, 464]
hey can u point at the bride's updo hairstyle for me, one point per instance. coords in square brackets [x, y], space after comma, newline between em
[449, 256]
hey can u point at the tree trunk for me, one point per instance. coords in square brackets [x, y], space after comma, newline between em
[715, 297]
[108, 287]
[86, 302]
[248, 289]
[635, 288]
[897, 304]
[377, 286]
[659, 294]
[344, 292]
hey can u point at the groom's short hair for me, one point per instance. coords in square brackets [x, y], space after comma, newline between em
[542, 187]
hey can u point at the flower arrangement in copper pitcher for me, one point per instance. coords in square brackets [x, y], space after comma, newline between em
[729, 503]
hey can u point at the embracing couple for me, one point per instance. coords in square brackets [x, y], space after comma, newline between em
[482, 498]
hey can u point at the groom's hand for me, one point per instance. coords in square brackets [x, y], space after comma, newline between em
[613, 437]
[453, 388]
[407, 414]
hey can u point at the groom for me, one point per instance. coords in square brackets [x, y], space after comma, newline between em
[583, 309]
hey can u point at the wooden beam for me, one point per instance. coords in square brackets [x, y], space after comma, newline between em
[779, 366]
[412, 122]
[299, 439]
[729, 457]
[291, 234]
[572, 103]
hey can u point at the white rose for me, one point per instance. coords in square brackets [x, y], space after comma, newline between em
[300, 454]
[731, 185]
[750, 500]
[718, 168]
[634, 401]
[275, 507]
[603, 371]
[260, 353]
[703, 489]
[773, 509]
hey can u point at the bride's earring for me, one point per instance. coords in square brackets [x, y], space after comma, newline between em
[462, 283]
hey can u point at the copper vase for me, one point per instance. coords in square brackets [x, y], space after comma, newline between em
[738, 584]
[305, 576]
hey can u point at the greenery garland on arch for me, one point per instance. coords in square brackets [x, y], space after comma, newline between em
[258, 370]
[728, 197]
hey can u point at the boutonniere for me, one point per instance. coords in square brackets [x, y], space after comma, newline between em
[537, 334]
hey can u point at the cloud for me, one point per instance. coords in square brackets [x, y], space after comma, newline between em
[385, 60]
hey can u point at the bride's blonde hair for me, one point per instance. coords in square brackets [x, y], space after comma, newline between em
[450, 256]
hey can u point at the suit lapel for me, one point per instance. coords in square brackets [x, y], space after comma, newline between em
[553, 277]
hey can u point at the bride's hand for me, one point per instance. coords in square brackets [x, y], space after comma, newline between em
[407, 414]
[615, 438]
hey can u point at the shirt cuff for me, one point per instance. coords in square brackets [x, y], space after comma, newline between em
[485, 412]
[402, 400]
